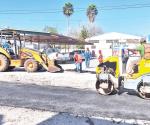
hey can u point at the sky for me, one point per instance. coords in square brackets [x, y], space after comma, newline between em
[124, 16]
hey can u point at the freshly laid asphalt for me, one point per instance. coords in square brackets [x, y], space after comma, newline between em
[74, 101]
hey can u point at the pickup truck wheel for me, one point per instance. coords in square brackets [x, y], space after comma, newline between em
[31, 65]
[4, 63]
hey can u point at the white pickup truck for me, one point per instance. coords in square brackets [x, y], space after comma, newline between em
[62, 57]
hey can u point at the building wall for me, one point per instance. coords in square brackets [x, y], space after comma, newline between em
[103, 46]
[109, 49]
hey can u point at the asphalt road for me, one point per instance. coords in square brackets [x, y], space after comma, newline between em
[74, 101]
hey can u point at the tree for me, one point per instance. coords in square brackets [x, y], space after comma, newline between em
[84, 33]
[49, 29]
[91, 12]
[68, 11]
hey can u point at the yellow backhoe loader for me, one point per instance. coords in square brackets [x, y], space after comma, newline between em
[32, 60]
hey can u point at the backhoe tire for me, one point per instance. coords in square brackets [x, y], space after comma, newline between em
[31, 65]
[4, 63]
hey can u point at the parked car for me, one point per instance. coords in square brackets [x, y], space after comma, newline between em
[81, 52]
[62, 57]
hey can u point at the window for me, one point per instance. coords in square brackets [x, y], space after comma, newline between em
[112, 41]
[93, 47]
[94, 41]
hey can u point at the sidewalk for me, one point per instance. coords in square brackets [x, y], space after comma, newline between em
[69, 78]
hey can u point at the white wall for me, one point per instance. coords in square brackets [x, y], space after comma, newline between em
[103, 46]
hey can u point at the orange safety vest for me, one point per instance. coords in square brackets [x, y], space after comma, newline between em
[78, 58]
[100, 59]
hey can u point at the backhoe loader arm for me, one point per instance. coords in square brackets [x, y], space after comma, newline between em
[41, 59]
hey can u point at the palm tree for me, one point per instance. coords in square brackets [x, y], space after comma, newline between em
[92, 12]
[68, 11]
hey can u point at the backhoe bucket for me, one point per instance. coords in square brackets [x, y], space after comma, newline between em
[53, 68]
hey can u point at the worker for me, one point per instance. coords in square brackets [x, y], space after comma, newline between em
[78, 62]
[138, 53]
[87, 55]
[100, 57]
[8, 46]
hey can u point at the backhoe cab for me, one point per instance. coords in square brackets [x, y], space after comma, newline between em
[32, 60]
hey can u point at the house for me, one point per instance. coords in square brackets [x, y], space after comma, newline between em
[110, 43]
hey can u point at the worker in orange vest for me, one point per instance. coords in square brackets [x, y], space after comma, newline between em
[78, 62]
[100, 57]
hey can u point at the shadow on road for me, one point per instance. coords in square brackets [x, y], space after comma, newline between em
[67, 119]
[128, 91]
[1, 119]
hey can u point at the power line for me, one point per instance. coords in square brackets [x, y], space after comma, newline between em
[127, 5]
[130, 7]
[33, 12]
[102, 8]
